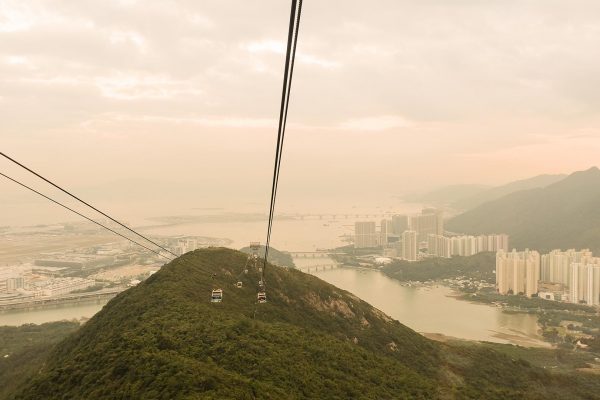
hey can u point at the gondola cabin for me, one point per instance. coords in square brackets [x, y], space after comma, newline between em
[239, 285]
[216, 296]
[261, 297]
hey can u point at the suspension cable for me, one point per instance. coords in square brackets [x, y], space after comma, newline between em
[84, 216]
[86, 203]
[295, 13]
[103, 226]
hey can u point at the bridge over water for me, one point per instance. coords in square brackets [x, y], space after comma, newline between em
[309, 254]
[331, 216]
[318, 267]
[63, 299]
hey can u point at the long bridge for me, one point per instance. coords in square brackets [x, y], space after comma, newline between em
[64, 299]
[316, 268]
[332, 216]
[309, 254]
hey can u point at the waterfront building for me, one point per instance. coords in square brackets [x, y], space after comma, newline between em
[584, 283]
[467, 245]
[365, 235]
[463, 246]
[556, 265]
[409, 245]
[494, 242]
[385, 231]
[517, 272]
[429, 222]
[438, 246]
[13, 277]
[399, 224]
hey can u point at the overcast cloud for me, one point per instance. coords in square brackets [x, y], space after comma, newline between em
[388, 96]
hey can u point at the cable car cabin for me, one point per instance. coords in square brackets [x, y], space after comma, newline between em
[239, 285]
[217, 296]
[261, 297]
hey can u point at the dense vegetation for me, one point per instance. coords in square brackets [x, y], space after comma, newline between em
[24, 349]
[479, 267]
[164, 340]
[275, 256]
[562, 215]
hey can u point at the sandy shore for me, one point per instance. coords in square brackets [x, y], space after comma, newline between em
[518, 340]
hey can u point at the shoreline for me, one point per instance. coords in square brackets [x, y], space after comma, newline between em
[514, 340]
[49, 303]
[499, 334]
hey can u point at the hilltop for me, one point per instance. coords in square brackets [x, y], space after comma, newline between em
[276, 257]
[565, 214]
[164, 340]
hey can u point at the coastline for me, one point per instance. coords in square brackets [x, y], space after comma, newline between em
[515, 340]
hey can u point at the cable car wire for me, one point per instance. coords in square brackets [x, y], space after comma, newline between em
[102, 225]
[294, 27]
[83, 216]
[86, 203]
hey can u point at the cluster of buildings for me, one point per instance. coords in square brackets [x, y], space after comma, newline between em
[442, 246]
[572, 276]
[29, 281]
[405, 236]
[392, 232]
[184, 245]
[59, 273]
[366, 235]
[12, 278]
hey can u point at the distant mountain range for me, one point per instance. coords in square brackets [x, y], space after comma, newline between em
[540, 181]
[447, 194]
[466, 197]
[564, 214]
[164, 339]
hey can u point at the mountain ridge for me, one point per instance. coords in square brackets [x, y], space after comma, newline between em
[562, 215]
[468, 196]
[497, 192]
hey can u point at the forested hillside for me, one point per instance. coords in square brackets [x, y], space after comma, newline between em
[563, 215]
[164, 339]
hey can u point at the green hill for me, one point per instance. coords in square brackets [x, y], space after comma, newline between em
[164, 340]
[563, 215]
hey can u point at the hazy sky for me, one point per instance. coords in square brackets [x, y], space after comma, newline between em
[388, 95]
